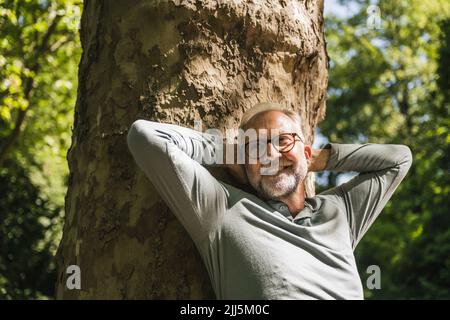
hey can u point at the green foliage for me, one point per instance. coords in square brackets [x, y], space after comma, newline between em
[39, 54]
[26, 237]
[392, 86]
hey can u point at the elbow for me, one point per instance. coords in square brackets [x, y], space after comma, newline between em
[137, 135]
[143, 137]
[136, 128]
[405, 158]
[406, 154]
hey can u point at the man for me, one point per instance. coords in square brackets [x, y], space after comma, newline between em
[273, 243]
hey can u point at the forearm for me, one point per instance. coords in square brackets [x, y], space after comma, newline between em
[199, 146]
[367, 157]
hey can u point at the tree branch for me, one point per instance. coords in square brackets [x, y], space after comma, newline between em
[11, 139]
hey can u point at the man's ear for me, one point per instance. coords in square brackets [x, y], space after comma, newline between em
[308, 156]
[308, 153]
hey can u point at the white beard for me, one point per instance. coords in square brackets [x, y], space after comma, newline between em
[280, 185]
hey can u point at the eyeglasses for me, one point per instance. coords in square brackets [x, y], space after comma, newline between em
[282, 143]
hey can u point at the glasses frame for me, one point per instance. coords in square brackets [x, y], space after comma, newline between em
[291, 146]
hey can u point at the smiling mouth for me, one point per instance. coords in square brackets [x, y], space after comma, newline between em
[280, 170]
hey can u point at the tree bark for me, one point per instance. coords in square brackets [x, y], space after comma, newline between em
[177, 62]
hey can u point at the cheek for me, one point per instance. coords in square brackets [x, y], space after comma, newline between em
[296, 156]
[293, 155]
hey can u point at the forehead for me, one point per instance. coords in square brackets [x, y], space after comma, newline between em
[272, 120]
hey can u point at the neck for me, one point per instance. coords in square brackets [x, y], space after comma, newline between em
[296, 200]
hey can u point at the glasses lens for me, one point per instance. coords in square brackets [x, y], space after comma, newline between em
[258, 148]
[284, 142]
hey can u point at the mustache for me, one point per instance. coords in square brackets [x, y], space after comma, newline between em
[281, 165]
[269, 170]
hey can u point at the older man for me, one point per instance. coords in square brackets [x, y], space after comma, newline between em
[274, 242]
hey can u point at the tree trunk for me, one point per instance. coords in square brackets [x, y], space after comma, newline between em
[177, 62]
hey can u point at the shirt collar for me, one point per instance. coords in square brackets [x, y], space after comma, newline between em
[281, 207]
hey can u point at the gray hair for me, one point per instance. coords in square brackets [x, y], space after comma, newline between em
[270, 106]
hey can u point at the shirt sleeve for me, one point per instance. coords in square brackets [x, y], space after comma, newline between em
[381, 168]
[171, 156]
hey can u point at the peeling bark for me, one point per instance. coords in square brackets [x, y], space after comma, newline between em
[171, 61]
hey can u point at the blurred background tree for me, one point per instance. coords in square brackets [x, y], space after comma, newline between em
[387, 85]
[39, 54]
[391, 85]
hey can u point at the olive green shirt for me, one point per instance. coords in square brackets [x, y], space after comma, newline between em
[255, 249]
